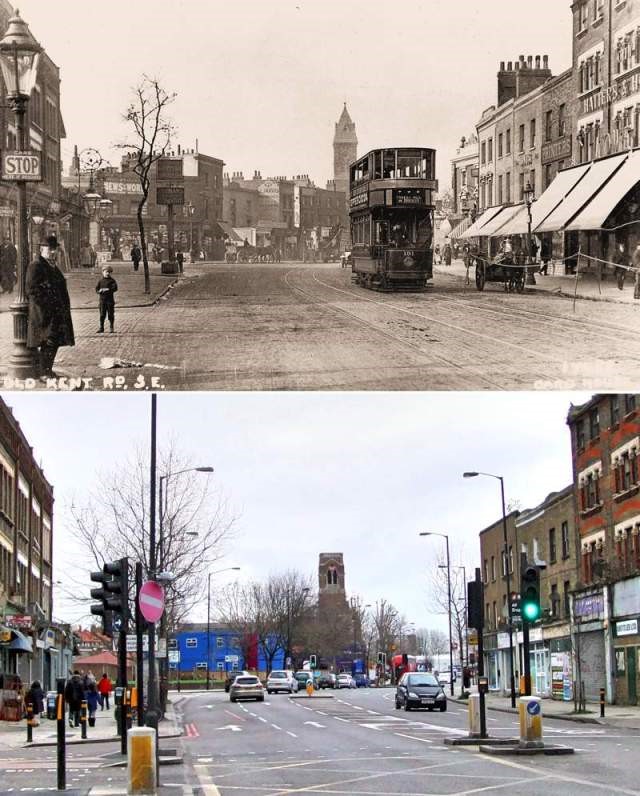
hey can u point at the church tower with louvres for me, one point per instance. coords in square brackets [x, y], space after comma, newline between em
[345, 150]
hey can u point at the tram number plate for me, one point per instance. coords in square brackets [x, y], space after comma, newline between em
[21, 166]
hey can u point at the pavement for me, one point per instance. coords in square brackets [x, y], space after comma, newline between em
[585, 285]
[621, 716]
[13, 734]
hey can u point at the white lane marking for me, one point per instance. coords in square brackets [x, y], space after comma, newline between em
[357, 707]
[262, 718]
[315, 724]
[321, 712]
[275, 727]
[373, 712]
[337, 718]
[292, 734]
[412, 737]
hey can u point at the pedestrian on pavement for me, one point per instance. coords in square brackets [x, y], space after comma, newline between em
[73, 695]
[180, 261]
[545, 256]
[93, 697]
[8, 264]
[105, 687]
[136, 256]
[446, 255]
[621, 259]
[106, 289]
[35, 698]
[636, 266]
[93, 254]
[49, 324]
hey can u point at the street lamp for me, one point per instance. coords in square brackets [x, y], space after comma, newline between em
[444, 535]
[163, 619]
[19, 59]
[529, 195]
[507, 568]
[217, 572]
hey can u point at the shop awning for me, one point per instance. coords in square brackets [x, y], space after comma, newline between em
[20, 642]
[474, 229]
[223, 228]
[494, 227]
[463, 226]
[604, 202]
[596, 176]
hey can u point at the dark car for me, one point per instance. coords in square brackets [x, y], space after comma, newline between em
[420, 690]
[326, 680]
[362, 681]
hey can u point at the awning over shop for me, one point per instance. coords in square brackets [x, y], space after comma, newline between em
[474, 229]
[463, 226]
[516, 224]
[596, 176]
[20, 642]
[222, 228]
[494, 227]
[604, 202]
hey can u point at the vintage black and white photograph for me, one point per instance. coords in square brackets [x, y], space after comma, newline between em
[308, 195]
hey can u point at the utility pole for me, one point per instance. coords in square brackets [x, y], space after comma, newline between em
[152, 710]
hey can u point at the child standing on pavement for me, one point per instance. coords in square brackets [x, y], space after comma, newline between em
[105, 289]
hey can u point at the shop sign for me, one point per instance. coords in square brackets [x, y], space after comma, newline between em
[24, 166]
[525, 160]
[503, 640]
[621, 90]
[169, 169]
[172, 195]
[22, 621]
[591, 605]
[7, 212]
[627, 628]
[122, 187]
[556, 150]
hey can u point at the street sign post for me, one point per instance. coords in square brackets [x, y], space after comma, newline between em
[24, 166]
[151, 601]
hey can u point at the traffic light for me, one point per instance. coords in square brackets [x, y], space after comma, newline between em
[382, 659]
[101, 609]
[313, 662]
[475, 604]
[117, 588]
[530, 593]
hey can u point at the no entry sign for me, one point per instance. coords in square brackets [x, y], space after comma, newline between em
[151, 601]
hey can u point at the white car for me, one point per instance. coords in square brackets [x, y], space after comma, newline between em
[281, 680]
[345, 681]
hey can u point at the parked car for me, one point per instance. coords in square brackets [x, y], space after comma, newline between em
[362, 681]
[345, 681]
[231, 676]
[281, 680]
[420, 690]
[326, 680]
[246, 687]
[302, 677]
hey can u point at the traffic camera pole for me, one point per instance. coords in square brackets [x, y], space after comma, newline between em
[153, 713]
[139, 647]
[60, 735]
[527, 660]
[507, 559]
[479, 631]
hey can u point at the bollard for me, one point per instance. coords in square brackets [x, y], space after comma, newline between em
[29, 723]
[83, 719]
[309, 687]
[61, 738]
[602, 703]
[141, 766]
[130, 697]
[530, 722]
[123, 721]
[474, 716]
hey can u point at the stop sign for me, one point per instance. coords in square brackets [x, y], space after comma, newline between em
[151, 601]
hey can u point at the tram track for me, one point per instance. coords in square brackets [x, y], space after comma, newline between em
[465, 369]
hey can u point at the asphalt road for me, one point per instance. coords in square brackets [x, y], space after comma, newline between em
[357, 743]
[306, 327]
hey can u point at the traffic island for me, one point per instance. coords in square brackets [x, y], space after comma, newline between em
[478, 741]
[311, 696]
[515, 748]
[531, 739]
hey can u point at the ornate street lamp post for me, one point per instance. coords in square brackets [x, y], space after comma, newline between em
[529, 195]
[19, 58]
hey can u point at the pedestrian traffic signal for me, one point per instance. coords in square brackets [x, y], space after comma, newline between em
[313, 662]
[101, 609]
[530, 593]
[117, 588]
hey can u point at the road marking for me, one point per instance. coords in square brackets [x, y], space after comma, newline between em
[292, 734]
[321, 712]
[413, 737]
[315, 724]
[235, 715]
[357, 707]
[275, 727]
[262, 718]
[373, 712]
[232, 727]
[337, 718]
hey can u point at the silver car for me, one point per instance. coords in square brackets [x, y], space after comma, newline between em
[246, 687]
[345, 681]
[281, 680]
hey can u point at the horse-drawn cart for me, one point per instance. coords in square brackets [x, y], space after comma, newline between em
[504, 269]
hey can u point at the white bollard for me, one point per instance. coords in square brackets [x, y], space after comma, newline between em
[141, 765]
[530, 722]
[474, 716]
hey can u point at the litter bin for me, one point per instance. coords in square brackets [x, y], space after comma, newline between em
[51, 705]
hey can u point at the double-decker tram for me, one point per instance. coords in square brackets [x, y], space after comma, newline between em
[392, 199]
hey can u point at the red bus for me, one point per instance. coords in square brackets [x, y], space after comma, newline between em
[391, 204]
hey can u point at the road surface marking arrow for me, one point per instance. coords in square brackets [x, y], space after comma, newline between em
[231, 727]
[315, 724]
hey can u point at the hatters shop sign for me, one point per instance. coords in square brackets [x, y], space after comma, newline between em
[625, 88]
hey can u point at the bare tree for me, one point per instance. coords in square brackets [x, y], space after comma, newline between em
[456, 608]
[151, 131]
[437, 643]
[239, 607]
[196, 525]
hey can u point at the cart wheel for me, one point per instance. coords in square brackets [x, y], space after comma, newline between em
[480, 275]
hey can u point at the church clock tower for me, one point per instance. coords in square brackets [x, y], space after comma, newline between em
[345, 150]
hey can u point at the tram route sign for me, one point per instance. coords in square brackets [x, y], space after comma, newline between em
[25, 166]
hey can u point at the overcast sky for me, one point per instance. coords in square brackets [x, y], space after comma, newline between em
[261, 83]
[357, 473]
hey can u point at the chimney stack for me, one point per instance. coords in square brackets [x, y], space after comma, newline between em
[545, 61]
[537, 62]
[530, 61]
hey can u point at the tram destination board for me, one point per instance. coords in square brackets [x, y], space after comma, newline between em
[408, 196]
[25, 166]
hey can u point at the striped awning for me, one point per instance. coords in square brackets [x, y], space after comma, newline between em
[463, 226]
[475, 230]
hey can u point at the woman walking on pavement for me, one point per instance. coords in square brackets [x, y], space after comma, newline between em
[35, 698]
[105, 687]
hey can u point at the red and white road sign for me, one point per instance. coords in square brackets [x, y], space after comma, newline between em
[151, 601]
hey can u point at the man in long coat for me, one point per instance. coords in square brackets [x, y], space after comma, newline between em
[8, 263]
[49, 320]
